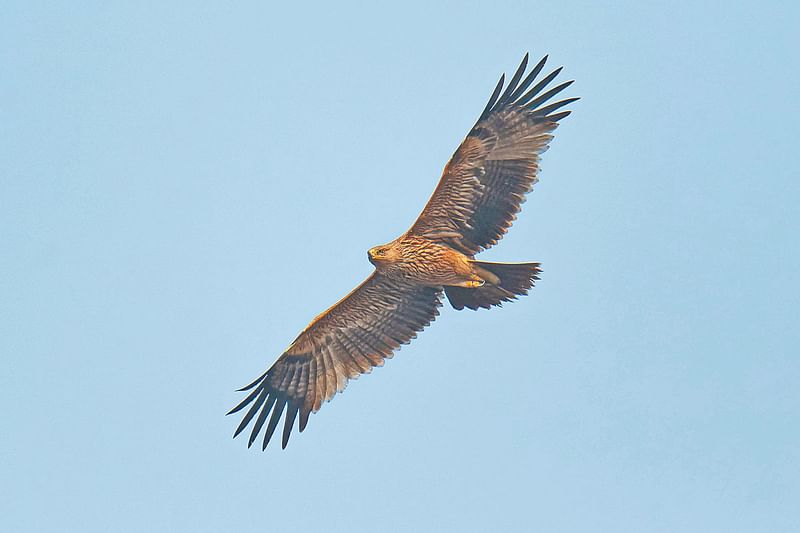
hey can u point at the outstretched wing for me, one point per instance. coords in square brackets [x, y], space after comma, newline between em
[485, 182]
[347, 340]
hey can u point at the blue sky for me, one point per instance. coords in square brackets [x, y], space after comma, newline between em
[183, 187]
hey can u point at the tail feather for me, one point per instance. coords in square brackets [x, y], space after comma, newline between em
[513, 280]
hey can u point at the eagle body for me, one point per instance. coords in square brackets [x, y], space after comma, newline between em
[419, 260]
[477, 199]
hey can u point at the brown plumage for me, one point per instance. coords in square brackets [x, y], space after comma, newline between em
[476, 201]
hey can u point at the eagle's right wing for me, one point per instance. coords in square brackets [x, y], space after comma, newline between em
[347, 340]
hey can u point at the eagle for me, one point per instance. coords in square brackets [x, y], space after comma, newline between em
[477, 199]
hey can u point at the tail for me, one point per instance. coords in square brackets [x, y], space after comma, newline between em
[504, 282]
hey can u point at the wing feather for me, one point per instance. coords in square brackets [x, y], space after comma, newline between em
[280, 405]
[262, 417]
[484, 184]
[349, 339]
[262, 394]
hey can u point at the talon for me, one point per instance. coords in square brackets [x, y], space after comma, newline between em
[473, 284]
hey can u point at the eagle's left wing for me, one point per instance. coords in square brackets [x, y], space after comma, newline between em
[347, 340]
[485, 182]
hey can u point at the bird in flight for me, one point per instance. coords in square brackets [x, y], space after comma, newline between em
[477, 199]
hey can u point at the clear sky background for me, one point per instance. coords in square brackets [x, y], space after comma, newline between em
[183, 187]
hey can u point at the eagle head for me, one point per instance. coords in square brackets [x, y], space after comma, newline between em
[380, 254]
